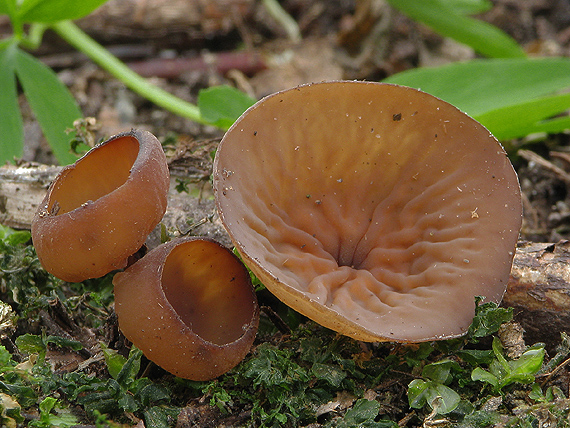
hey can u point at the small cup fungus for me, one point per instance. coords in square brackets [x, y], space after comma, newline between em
[189, 306]
[100, 210]
[376, 210]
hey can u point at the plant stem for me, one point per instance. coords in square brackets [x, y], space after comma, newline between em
[101, 56]
[284, 19]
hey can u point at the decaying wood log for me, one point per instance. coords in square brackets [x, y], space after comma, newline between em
[538, 289]
[21, 191]
[198, 19]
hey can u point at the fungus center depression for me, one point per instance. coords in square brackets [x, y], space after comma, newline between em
[87, 181]
[203, 286]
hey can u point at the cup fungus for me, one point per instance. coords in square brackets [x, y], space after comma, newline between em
[189, 306]
[100, 210]
[376, 210]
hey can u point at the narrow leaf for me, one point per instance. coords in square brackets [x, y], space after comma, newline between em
[484, 38]
[63, 342]
[468, 7]
[7, 7]
[528, 117]
[130, 369]
[11, 125]
[51, 102]
[480, 86]
[50, 11]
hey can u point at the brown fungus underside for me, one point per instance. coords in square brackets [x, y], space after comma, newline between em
[376, 210]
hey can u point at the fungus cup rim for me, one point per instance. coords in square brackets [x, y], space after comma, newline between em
[293, 297]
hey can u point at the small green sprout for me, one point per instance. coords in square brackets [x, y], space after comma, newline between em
[437, 376]
[503, 372]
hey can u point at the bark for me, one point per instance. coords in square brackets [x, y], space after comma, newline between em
[539, 290]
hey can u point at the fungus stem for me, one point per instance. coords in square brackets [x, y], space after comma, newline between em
[101, 56]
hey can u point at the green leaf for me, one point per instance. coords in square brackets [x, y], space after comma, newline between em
[484, 376]
[31, 344]
[25, 395]
[148, 392]
[363, 412]
[14, 237]
[47, 404]
[222, 105]
[50, 11]
[62, 342]
[528, 117]
[476, 357]
[530, 362]
[329, 373]
[114, 361]
[468, 7]
[128, 403]
[47, 419]
[484, 38]
[440, 371]
[421, 393]
[131, 368]
[160, 416]
[488, 318]
[5, 358]
[11, 125]
[51, 102]
[481, 86]
[8, 7]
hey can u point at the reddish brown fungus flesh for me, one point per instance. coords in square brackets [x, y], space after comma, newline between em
[376, 210]
[98, 174]
[101, 209]
[189, 306]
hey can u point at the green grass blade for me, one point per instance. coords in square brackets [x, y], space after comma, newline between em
[50, 11]
[480, 86]
[527, 118]
[11, 126]
[484, 38]
[51, 102]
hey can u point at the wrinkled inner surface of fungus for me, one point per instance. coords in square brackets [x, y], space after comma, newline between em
[204, 284]
[376, 210]
[87, 181]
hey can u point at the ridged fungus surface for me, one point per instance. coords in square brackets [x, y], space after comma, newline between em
[189, 306]
[376, 210]
[100, 210]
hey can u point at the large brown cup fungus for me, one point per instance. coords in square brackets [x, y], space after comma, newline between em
[377, 210]
[100, 210]
[189, 306]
